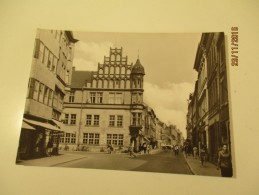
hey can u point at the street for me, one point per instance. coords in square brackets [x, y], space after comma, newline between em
[162, 162]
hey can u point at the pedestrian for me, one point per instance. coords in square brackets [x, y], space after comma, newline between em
[203, 154]
[195, 150]
[144, 146]
[148, 148]
[49, 147]
[176, 150]
[224, 162]
[131, 153]
[110, 148]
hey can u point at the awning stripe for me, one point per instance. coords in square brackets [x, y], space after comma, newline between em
[27, 126]
[63, 127]
[41, 124]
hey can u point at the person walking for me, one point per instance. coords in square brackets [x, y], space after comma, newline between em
[148, 148]
[49, 147]
[203, 151]
[144, 146]
[131, 153]
[176, 150]
[224, 162]
[195, 150]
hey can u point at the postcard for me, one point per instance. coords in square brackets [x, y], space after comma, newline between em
[143, 102]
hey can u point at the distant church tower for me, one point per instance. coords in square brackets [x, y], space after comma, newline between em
[137, 106]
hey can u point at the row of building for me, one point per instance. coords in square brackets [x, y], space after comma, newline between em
[208, 106]
[86, 110]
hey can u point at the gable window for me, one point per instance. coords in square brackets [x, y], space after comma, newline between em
[96, 97]
[115, 98]
[71, 96]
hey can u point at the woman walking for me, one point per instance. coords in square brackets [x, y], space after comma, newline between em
[224, 162]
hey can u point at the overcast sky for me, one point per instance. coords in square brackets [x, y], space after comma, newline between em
[168, 60]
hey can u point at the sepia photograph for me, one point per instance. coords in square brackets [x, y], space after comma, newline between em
[129, 97]
[143, 102]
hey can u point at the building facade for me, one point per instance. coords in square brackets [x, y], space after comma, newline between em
[105, 106]
[209, 102]
[51, 70]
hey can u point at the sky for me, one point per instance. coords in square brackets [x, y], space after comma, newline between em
[168, 59]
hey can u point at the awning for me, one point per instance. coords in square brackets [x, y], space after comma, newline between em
[63, 127]
[27, 126]
[41, 124]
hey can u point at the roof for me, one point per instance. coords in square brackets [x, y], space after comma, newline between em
[138, 68]
[79, 78]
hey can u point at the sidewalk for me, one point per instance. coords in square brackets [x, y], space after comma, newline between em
[195, 166]
[52, 160]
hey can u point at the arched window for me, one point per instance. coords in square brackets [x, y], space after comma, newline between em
[128, 84]
[105, 84]
[111, 71]
[122, 84]
[122, 71]
[94, 85]
[100, 71]
[112, 59]
[106, 71]
[117, 84]
[111, 84]
[100, 83]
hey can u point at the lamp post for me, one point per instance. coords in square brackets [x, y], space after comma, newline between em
[80, 120]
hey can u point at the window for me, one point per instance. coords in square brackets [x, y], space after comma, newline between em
[96, 119]
[119, 120]
[99, 97]
[73, 119]
[41, 93]
[115, 98]
[36, 90]
[71, 96]
[50, 61]
[91, 138]
[112, 120]
[46, 56]
[50, 97]
[136, 119]
[54, 65]
[92, 97]
[96, 97]
[68, 138]
[41, 52]
[46, 94]
[31, 88]
[115, 139]
[88, 119]
[66, 118]
[139, 118]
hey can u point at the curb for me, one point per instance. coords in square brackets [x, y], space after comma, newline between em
[193, 172]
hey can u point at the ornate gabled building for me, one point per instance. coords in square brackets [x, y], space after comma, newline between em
[105, 106]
